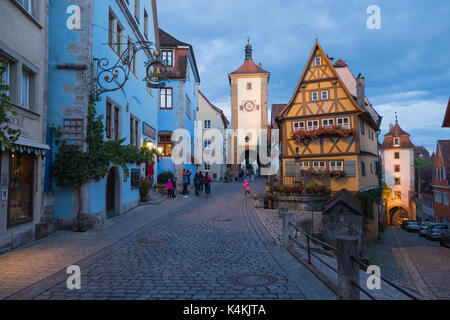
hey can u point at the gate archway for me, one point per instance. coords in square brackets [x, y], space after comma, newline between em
[397, 215]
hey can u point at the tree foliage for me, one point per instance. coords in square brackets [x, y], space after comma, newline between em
[8, 135]
[74, 166]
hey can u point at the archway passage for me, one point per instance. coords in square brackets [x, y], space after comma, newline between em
[110, 194]
[397, 215]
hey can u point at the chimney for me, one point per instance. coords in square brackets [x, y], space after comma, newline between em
[260, 65]
[360, 91]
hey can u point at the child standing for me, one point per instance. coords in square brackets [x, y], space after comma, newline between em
[246, 187]
[169, 187]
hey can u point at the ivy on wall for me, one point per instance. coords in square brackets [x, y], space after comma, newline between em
[8, 135]
[368, 198]
[74, 166]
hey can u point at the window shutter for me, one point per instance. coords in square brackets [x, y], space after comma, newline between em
[290, 168]
[350, 168]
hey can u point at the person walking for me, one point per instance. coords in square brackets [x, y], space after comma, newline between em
[185, 183]
[202, 181]
[197, 183]
[189, 173]
[208, 181]
[246, 187]
[169, 188]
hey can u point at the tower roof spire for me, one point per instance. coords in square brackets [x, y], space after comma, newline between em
[248, 50]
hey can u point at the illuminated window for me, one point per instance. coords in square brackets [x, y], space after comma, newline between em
[165, 143]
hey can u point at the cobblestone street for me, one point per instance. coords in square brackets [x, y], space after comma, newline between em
[203, 249]
[414, 262]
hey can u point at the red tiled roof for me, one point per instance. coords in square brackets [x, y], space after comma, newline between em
[276, 108]
[340, 64]
[249, 67]
[446, 123]
[397, 132]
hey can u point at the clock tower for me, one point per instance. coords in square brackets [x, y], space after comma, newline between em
[249, 108]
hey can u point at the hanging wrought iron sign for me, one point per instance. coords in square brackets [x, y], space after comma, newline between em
[108, 77]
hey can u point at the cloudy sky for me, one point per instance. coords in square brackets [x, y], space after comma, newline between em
[406, 63]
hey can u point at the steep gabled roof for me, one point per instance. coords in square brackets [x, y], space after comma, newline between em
[397, 132]
[249, 67]
[225, 121]
[166, 40]
[446, 123]
[316, 47]
[444, 148]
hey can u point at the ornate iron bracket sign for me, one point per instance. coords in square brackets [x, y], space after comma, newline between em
[109, 77]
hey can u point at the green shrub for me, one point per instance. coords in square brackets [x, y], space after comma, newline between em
[165, 176]
[144, 189]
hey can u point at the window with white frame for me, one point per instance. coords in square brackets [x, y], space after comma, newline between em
[314, 96]
[319, 165]
[207, 124]
[298, 125]
[167, 58]
[317, 61]
[166, 98]
[336, 165]
[324, 94]
[312, 124]
[30, 6]
[437, 196]
[305, 165]
[25, 94]
[327, 123]
[343, 122]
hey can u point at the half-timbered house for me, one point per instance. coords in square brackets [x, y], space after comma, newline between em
[329, 129]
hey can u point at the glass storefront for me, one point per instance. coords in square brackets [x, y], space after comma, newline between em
[20, 194]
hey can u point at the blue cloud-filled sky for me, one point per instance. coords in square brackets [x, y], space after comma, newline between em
[406, 63]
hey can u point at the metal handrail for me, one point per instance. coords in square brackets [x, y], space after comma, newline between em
[363, 290]
[359, 262]
[313, 238]
[402, 290]
[312, 254]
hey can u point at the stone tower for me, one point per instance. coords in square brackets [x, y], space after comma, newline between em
[249, 107]
[397, 154]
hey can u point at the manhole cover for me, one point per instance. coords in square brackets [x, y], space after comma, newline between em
[253, 280]
[146, 240]
[222, 219]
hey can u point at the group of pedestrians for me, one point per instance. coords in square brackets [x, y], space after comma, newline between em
[202, 183]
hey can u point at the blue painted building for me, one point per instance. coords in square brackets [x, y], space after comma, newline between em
[108, 27]
[178, 103]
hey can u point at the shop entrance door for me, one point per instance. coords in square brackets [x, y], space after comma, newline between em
[110, 195]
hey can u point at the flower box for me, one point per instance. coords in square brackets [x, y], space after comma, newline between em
[300, 135]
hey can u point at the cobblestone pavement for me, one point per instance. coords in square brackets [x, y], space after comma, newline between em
[427, 265]
[204, 249]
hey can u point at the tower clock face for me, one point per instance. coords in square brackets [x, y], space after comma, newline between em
[249, 106]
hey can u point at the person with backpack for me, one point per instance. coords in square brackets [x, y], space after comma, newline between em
[202, 181]
[207, 181]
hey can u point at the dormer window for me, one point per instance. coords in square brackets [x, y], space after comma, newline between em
[167, 58]
[317, 61]
[396, 142]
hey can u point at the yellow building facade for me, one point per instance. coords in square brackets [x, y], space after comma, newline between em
[329, 126]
